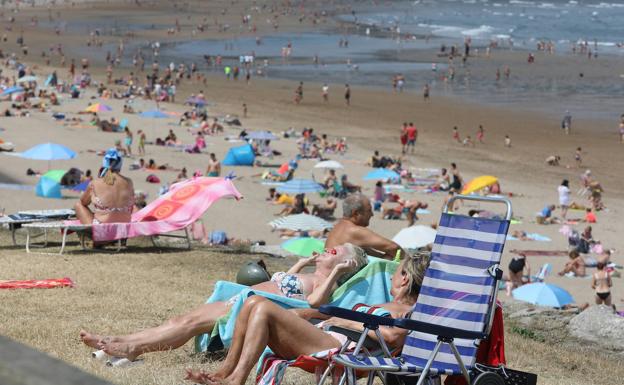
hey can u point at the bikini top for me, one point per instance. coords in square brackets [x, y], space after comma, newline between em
[103, 208]
[289, 284]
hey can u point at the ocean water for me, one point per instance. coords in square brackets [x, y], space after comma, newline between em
[375, 54]
[524, 22]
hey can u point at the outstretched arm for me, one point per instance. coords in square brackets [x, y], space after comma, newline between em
[376, 245]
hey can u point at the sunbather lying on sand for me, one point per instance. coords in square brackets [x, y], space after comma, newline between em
[316, 288]
[261, 323]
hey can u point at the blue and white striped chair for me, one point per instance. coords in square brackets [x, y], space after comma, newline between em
[456, 304]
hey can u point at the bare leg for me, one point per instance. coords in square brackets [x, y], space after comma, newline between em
[170, 335]
[84, 215]
[284, 332]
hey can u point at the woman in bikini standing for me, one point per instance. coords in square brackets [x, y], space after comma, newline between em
[112, 195]
[601, 282]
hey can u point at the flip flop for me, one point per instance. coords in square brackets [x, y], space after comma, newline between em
[121, 362]
[99, 355]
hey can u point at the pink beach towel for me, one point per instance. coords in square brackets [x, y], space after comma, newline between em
[184, 204]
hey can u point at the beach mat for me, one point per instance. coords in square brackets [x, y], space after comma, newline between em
[541, 253]
[37, 284]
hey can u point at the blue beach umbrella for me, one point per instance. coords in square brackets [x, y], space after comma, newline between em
[48, 188]
[299, 186]
[543, 294]
[381, 174]
[12, 90]
[154, 114]
[48, 151]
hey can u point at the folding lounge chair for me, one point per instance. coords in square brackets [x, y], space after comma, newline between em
[184, 204]
[16, 221]
[455, 307]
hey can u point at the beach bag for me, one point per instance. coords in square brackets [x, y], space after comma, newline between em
[218, 238]
[152, 179]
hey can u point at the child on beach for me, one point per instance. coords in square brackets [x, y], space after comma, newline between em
[456, 135]
[128, 141]
[507, 141]
[480, 134]
[577, 157]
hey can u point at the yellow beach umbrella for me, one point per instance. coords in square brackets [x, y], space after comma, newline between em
[479, 183]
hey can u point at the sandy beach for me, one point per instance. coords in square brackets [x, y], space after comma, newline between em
[372, 122]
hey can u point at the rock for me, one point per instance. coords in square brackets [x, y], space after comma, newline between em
[601, 325]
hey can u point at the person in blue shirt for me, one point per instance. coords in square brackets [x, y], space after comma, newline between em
[545, 216]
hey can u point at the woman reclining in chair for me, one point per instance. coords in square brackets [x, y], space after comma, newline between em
[317, 287]
[261, 323]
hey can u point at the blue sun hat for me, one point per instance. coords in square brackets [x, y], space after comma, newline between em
[112, 161]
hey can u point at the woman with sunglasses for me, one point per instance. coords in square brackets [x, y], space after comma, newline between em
[290, 336]
[331, 266]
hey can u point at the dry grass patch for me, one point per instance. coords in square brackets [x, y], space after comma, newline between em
[139, 288]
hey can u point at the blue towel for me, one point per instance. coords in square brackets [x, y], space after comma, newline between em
[371, 285]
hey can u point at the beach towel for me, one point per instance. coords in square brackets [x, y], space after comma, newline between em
[37, 283]
[183, 204]
[371, 285]
[540, 253]
[532, 237]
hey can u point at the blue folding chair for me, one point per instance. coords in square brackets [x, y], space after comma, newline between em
[455, 307]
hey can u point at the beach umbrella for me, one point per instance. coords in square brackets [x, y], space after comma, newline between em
[304, 246]
[82, 186]
[479, 183]
[330, 164]
[98, 107]
[300, 186]
[415, 237]
[27, 79]
[55, 175]
[12, 90]
[381, 174]
[48, 188]
[154, 114]
[300, 222]
[48, 151]
[543, 294]
[261, 135]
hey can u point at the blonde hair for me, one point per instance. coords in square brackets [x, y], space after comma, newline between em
[109, 177]
[357, 254]
[414, 267]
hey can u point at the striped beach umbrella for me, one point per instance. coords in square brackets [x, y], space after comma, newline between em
[300, 222]
[300, 186]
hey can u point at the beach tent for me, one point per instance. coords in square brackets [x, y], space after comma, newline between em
[48, 188]
[55, 175]
[239, 156]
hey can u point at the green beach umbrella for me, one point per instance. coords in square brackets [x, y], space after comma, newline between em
[55, 175]
[304, 246]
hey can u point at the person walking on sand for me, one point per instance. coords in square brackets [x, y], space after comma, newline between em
[507, 141]
[214, 166]
[128, 141]
[480, 134]
[141, 147]
[325, 93]
[299, 93]
[403, 139]
[412, 135]
[456, 135]
[426, 92]
[564, 197]
[566, 122]
[577, 157]
[347, 95]
[622, 129]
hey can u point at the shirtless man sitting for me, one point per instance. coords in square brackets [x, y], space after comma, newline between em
[352, 227]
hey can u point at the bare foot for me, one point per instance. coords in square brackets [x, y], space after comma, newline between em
[92, 340]
[117, 348]
[201, 377]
